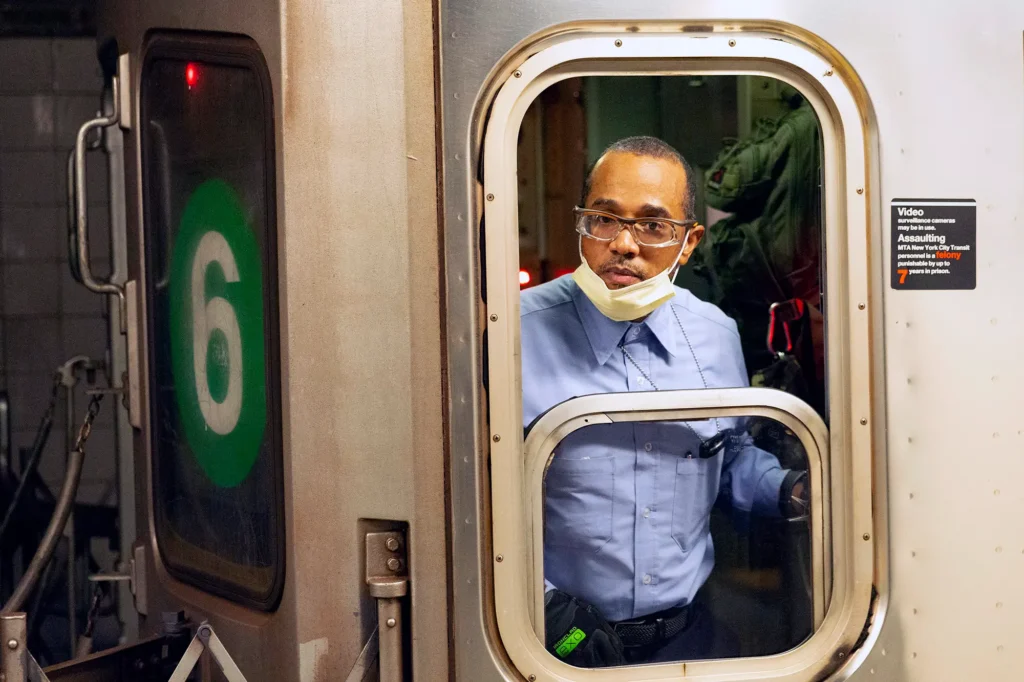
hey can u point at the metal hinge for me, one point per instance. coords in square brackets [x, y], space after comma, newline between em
[206, 640]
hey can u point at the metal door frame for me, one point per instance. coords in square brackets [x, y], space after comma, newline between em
[854, 342]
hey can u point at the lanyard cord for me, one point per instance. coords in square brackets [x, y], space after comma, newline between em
[700, 371]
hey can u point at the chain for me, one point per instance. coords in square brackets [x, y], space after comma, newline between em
[90, 416]
[700, 371]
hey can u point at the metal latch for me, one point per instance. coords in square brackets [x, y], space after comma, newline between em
[387, 576]
[134, 575]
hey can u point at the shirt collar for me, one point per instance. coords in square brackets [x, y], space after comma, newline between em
[605, 334]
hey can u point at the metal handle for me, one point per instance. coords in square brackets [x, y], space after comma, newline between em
[76, 273]
[81, 203]
[5, 435]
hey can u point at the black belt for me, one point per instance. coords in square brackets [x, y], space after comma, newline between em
[654, 629]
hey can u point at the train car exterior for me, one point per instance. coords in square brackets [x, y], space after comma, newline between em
[353, 166]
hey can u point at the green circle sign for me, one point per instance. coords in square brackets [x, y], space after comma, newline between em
[216, 326]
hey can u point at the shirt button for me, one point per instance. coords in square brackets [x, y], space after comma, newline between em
[647, 580]
[647, 512]
[639, 380]
[647, 447]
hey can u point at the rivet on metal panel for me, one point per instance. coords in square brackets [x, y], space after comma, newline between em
[517, 73]
[618, 43]
[391, 622]
[533, 678]
[494, 317]
[829, 72]
[496, 437]
[860, 190]
[732, 43]
[863, 422]
[12, 644]
[867, 536]
[490, 197]
[499, 558]
[861, 306]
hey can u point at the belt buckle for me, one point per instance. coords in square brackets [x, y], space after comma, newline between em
[659, 631]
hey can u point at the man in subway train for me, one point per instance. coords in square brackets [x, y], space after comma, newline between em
[627, 506]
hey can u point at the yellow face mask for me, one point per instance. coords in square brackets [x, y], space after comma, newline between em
[629, 303]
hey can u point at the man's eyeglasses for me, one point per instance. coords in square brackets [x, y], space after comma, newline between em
[606, 227]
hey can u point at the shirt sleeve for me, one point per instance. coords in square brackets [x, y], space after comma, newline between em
[751, 478]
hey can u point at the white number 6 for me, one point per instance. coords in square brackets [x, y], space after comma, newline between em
[207, 316]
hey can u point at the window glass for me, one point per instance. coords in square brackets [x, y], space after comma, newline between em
[644, 519]
[211, 284]
[754, 146]
[640, 515]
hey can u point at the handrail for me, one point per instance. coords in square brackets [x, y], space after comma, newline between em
[81, 204]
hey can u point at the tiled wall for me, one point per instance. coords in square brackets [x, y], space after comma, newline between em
[48, 87]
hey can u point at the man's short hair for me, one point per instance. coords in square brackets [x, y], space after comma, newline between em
[645, 145]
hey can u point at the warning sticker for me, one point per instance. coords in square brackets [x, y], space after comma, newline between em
[933, 243]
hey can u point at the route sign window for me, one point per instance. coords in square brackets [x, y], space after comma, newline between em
[211, 286]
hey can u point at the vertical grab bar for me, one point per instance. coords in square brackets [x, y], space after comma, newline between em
[76, 273]
[81, 205]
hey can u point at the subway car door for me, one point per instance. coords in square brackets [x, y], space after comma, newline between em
[515, 156]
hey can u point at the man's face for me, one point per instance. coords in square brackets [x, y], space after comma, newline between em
[632, 186]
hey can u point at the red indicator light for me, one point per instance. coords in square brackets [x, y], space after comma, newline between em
[524, 278]
[191, 75]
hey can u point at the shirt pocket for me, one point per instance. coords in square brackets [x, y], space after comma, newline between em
[578, 502]
[691, 501]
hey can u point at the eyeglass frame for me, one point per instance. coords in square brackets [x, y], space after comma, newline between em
[628, 223]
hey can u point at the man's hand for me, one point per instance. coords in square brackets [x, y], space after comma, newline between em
[578, 634]
[794, 497]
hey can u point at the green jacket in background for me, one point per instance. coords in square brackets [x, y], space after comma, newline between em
[768, 250]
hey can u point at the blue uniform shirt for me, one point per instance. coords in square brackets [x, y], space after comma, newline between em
[628, 506]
